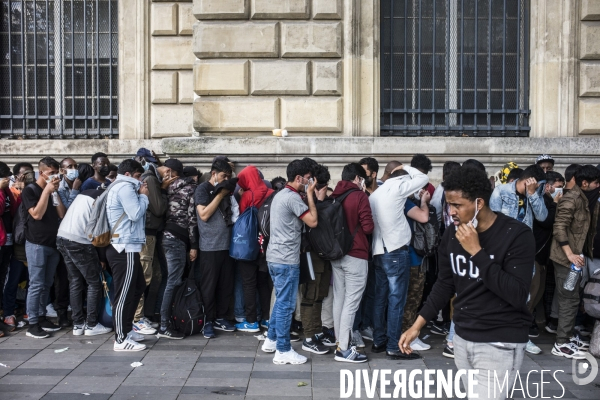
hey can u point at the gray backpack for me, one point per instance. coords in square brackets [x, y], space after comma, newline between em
[591, 293]
[98, 229]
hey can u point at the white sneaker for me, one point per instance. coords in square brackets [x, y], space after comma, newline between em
[532, 348]
[142, 328]
[269, 346]
[99, 329]
[289, 357]
[78, 330]
[50, 311]
[418, 345]
[153, 325]
[129, 345]
[357, 339]
[136, 337]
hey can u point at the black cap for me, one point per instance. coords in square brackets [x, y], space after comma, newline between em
[224, 158]
[175, 165]
[190, 171]
[147, 154]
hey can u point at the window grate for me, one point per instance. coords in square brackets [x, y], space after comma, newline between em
[58, 65]
[454, 68]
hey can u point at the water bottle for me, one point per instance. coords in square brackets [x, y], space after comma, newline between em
[55, 199]
[572, 278]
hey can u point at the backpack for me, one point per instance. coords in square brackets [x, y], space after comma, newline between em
[98, 229]
[187, 311]
[264, 218]
[591, 292]
[19, 222]
[105, 315]
[426, 237]
[331, 239]
[244, 236]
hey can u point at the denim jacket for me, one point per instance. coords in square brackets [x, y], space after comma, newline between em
[67, 195]
[505, 200]
[125, 198]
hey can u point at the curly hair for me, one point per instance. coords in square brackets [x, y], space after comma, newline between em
[421, 162]
[472, 182]
[321, 174]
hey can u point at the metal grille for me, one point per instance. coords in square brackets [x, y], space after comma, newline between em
[59, 69]
[454, 68]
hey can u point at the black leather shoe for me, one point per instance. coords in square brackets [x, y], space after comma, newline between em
[398, 355]
[378, 349]
[63, 319]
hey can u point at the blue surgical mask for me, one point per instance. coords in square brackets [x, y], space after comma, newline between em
[72, 174]
[146, 166]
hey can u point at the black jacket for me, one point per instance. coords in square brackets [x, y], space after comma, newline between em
[157, 207]
[543, 232]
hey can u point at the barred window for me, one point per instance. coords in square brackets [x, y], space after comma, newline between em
[59, 69]
[454, 68]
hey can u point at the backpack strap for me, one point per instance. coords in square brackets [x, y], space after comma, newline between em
[112, 231]
[341, 200]
[594, 280]
[592, 297]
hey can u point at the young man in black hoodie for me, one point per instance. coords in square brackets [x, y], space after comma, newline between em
[491, 278]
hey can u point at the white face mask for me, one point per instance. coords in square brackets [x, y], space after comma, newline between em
[51, 178]
[473, 222]
[557, 191]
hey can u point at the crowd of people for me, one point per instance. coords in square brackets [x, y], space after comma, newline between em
[479, 258]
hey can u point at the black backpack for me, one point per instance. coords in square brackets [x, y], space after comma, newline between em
[331, 239]
[188, 310]
[264, 219]
[19, 224]
[426, 237]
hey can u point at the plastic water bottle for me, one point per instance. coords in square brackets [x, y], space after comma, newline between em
[55, 199]
[572, 278]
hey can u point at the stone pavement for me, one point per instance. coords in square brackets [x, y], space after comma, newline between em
[229, 367]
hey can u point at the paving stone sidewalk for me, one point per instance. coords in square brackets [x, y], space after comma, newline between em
[229, 367]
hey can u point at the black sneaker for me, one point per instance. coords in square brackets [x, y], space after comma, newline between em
[438, 328]
[36, 332]
[222, 324]
[326, 340]
[448, 352]
[294, 337]
[63, 319]
[314, 346]
[534, 331]
[169, 333]
[47, 325]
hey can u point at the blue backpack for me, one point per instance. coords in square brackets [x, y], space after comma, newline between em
[105, 314]
[244, 236]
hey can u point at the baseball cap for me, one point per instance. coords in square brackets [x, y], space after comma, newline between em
[544, 157]
[224, 158]
[147, 154]
[190, 171]
[175, 165]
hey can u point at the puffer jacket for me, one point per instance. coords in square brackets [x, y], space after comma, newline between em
[181, 221]
[125, 199]
[575, 225]
[157, 207]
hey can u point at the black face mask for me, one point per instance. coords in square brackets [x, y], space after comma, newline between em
[104, 171]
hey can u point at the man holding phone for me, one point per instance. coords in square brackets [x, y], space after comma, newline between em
[45, 210]
[491, 279]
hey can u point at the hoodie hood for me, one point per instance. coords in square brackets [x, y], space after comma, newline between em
[255, 190]
[342, 187]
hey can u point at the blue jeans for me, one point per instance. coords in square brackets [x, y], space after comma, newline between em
[364, 316]
[450, 336]
[176, 255]
[392, 275]
[238, 296]
[9, 299]
[286, 278]
[42, 262]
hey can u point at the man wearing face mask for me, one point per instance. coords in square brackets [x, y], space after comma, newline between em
[491, 278]
[542, 230]
[213, 205]
[157, 180]
[100, 163]
[70, 184]
[45, 210]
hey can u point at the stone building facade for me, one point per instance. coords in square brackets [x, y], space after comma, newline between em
[206, 77]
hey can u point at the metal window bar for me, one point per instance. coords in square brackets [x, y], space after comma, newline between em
[58, 64]
[455, 68]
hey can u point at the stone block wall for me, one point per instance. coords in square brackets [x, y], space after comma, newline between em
[171, 66]
[264, 64]
[589, 68]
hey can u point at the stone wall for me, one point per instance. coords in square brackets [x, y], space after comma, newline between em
[264, 64]
[589, 68]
